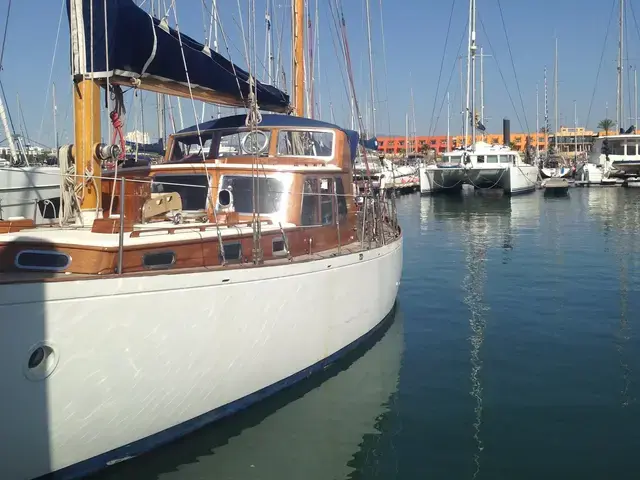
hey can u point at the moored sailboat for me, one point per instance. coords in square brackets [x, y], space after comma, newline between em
[178, 293]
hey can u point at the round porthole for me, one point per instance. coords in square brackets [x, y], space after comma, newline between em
[41, 361]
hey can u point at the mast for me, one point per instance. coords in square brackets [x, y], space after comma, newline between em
[481, 86]
[214, 21]
[635, 80]
[465, 127]
[472, 52]
[413, 119]
[575, 130]
[87, 100]
[448, 120]
[406, 131]
[555, 99]
[55, 117]
[537, 122]
[462, 110]
[7, 133]
[298, 57]
[546, 110]
[373, 98]
[620, 96]
[267, 18]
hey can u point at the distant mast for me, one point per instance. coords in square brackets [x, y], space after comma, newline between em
[620, 97]
[555, 97]
[546, 110]
[469, 118]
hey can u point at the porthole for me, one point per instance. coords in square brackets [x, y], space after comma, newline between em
[159, 260]
[42, 359]
[42, 260]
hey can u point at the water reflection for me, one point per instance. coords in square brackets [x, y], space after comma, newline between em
[476, 237]
[312, 431]
[618, 213]
[502, 218]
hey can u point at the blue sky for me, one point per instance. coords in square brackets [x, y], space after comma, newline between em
[414, 34]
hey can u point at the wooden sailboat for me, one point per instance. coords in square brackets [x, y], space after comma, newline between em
[176, 294]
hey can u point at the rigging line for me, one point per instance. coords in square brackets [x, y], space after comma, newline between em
[444, 52]
[493, 52]
[226, 46]
[453, 69]
[513, 66]
[53, 59]
[341, 58]
[386, 70]
[195, 114]
[244, 35]
[4, 36]
[604, 47]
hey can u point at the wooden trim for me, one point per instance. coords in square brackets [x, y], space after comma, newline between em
[12, 226]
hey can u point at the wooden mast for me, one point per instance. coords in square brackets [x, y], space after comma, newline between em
[298, 57]
[86, 104]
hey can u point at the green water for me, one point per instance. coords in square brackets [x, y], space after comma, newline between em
[513, 354]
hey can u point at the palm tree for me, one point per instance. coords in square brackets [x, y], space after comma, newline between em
[606, 125]
[513, 145]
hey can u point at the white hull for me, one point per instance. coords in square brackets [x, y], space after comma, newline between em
[323, 424]
[434, 179]
[21, 188]
[512, 179]
[144, 360]
[560, 172]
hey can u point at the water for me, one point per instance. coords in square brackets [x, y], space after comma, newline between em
[514, 353]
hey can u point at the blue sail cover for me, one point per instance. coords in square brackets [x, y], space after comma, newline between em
[141, 46]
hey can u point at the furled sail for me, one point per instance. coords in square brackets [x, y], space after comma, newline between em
[119, 40]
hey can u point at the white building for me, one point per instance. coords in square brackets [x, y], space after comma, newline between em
[137, 137]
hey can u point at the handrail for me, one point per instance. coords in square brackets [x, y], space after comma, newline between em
[121, 231]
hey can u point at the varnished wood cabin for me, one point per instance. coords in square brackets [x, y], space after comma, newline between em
[195, 209]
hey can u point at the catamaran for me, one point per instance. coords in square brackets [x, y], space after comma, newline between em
[479, 164]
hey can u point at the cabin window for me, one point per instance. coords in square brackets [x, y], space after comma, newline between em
[278, 247]
[189, 147]
[270, 192]
[492, 159]
[617, 148]
[317, 202]
[43, 260]
[505, 158]
[232, 252]
[326, 201]
[191, 188]
[310, 212]
[244, 143]
[159, 259]
[480, 159]
[305, 143]
[342, 199]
